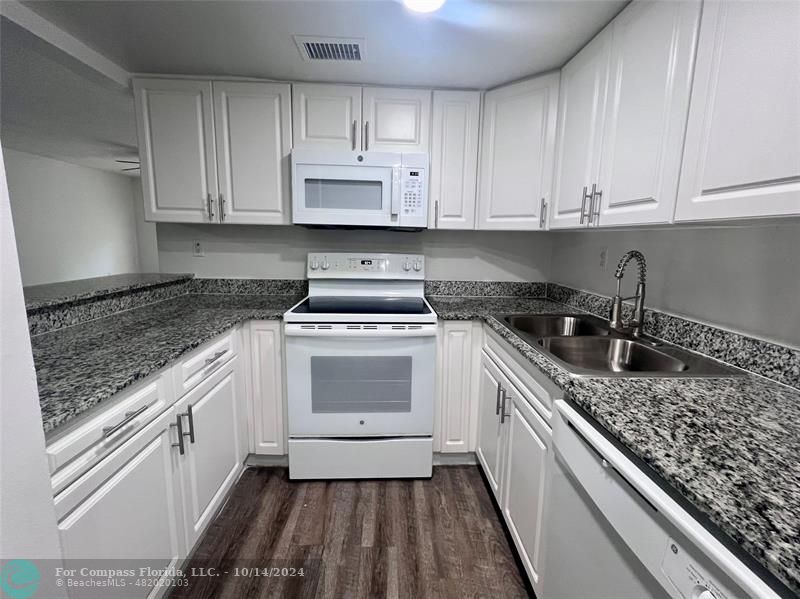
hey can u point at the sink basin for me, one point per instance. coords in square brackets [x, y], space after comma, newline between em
[608, 354]
[554, 325]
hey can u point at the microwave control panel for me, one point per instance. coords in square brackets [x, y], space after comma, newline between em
[413, 192]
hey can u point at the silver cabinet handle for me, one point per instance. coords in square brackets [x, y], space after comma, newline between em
[110, 430]
[190, 415]
[497, 402]
[210, 207]
[179, 425]
[354, 135]
[597, 198]
[215, 357]
[436, 214]
[221, 208]
[503, 414]
[542, 212]
[591, 201]
[583, 205]
[366, 136]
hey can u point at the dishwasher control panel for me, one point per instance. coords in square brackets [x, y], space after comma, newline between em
[691, 580]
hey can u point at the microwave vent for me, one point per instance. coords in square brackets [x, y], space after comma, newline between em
[332, 49]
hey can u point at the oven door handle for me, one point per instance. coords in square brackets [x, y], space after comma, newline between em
[300, 330]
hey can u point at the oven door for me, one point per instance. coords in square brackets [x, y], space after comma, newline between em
[344, 195]
[366, 380]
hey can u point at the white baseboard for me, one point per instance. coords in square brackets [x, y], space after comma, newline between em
[454, 459]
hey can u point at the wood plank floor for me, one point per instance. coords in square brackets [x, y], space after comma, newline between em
[398, 538]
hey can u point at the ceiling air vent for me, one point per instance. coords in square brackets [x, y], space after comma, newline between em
[346, 49]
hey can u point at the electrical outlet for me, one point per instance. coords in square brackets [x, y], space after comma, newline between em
[603, 258]
[198, 250]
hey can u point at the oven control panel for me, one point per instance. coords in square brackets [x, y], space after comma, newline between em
[334, 265]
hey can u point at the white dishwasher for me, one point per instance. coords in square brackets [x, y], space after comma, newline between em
[613, 533]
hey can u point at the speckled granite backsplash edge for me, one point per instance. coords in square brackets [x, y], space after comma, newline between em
[771, 360]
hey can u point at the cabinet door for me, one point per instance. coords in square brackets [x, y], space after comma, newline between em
[454, 159]
[252, 124]
[529, 440]
[396, 120]
[266, 346]
[742, 155]
[211, 463]
[455, 418]
[176, 147]
[581, 104]
[490, 429]
[326, 116]
[652, 54]
[128, 506]
[517, 149]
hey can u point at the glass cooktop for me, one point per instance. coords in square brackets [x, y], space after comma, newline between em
[362, 305]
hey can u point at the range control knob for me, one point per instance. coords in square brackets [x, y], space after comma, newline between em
[325, 265]
[417, 266]
[314, 265]
[406, 266]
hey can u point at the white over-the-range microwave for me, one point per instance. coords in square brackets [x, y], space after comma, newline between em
[337, 188]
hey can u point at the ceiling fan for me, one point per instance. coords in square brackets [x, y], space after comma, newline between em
[133, 168]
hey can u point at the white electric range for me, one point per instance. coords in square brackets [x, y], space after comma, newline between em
[360, 362]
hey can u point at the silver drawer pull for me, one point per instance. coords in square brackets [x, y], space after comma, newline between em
[215, 357]
[110, 430]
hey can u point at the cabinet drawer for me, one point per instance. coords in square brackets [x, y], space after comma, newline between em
[73, 452]
[204, 361]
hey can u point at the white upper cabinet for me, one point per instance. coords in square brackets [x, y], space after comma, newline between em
[454, 159]
[517, 147]
[396, 120]
[214, 152]
[622, 114]
[253, 145]
[327, 116]
[652, 54]
[580, 121]
[176, 145]
[742, 156]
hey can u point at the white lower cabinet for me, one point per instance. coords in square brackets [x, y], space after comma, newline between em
[456, 415]
[266, 358]
[513, 446]
[211, 460]
[491, 431]
[128, 506]
[529, 440]
[151, 497]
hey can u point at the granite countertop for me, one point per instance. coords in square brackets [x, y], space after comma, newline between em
[80, 366]
[54, 294]
[729, 446]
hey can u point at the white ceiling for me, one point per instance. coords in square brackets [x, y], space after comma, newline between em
[53, 106]
[468, 43]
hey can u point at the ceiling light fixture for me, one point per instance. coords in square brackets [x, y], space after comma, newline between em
[423, 5]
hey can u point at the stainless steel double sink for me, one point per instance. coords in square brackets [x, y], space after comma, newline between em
[586, 346]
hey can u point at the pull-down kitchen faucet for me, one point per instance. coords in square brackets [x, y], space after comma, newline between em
[616, 321]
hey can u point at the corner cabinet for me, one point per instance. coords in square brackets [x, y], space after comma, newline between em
[516, 160]
[454, 159]
[622, 113]
[742, 156]
[214, 152]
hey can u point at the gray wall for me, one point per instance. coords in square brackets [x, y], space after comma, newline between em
[743, 278]
[241, 251]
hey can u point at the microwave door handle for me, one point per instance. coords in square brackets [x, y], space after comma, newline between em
[396, 182]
